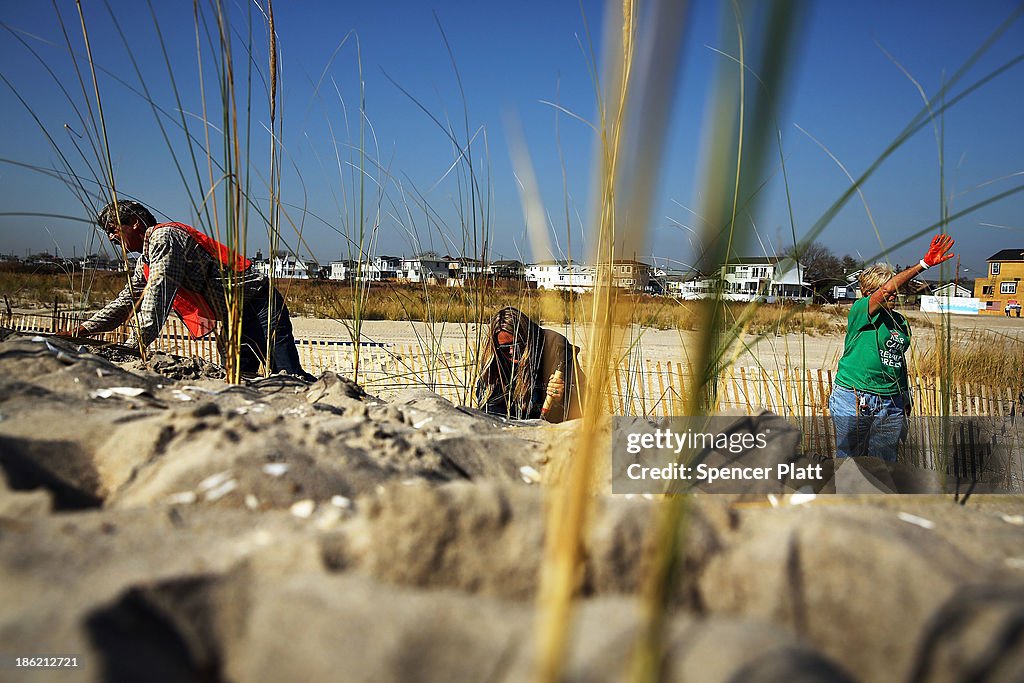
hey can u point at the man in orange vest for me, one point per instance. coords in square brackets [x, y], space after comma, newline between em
[184, 270]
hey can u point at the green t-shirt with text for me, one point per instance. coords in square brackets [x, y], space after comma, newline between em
[874, 355]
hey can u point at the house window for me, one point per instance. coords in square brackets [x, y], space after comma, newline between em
[986, 290]
[1007, 287]
[995, 268]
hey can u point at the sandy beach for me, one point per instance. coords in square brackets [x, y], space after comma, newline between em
[284, 531]
[772, 351]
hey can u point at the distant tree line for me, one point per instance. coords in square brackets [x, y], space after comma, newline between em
[822, 268]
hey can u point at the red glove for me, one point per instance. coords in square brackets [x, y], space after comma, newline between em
[937, 251]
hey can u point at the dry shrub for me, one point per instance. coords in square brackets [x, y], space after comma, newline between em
[33, 287]
[974, 356]
[438, 303]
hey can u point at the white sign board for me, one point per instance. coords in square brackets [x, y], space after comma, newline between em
[955, 305]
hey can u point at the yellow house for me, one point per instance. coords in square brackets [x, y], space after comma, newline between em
[1003, 287]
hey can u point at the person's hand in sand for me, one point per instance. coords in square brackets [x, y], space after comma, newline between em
[79, 331]
[527, 372]
[185, 270]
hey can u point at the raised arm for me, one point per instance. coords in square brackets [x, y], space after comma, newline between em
[937, 253]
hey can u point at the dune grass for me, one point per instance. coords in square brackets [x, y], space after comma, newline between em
[222, 200]
[630, 133]
[977, 357]
[437, 303]
[740, 138]
[37, 288]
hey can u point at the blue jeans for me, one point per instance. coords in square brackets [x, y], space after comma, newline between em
[869, 424]
[255, 321]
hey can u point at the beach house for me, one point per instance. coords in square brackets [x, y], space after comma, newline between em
[771, 278]
[561, 275]
[1002, 287]
[286, 266]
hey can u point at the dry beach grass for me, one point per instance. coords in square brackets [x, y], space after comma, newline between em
[191, 523]
[207, 519]
[983, 349]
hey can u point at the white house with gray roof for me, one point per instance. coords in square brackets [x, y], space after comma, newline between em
[771, 278]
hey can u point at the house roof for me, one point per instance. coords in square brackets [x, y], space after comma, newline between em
[753, 261]
[1007, 255]
[425, 259]
[936, 287]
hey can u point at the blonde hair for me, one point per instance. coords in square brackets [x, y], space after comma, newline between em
[873, 277]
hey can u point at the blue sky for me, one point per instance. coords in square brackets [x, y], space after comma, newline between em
[842, 89]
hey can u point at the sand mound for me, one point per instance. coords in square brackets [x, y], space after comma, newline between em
[158, 523]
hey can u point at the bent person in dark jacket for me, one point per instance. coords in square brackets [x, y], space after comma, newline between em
[527, 372]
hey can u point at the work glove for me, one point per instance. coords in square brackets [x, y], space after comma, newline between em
[937, 251]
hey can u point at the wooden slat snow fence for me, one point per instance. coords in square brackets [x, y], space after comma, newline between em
[648, 388]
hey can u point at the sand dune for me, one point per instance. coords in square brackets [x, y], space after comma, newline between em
[158, 524]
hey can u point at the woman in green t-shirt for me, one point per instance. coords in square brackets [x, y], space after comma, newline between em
[870, 399]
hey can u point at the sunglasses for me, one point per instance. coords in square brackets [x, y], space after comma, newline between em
[510, 347]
